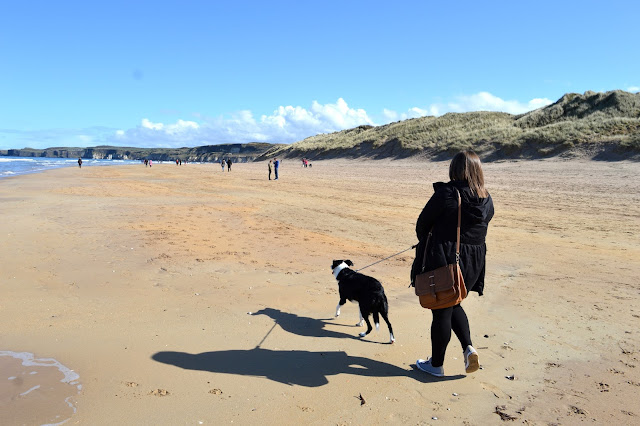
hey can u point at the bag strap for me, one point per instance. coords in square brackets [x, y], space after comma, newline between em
[458, 230]
[424, 259]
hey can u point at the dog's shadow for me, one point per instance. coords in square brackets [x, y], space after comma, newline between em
[295, 367]
[303, 326]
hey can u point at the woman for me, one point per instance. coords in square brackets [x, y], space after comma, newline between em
[441, 214]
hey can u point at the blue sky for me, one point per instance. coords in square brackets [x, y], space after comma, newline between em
[191, 73]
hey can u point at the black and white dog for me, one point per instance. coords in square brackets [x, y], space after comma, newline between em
[365, 290]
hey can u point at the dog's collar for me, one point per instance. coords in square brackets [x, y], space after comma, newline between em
[337, 269]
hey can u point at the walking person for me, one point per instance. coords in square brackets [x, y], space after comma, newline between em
[229, 162]
[270, 167]
[439, 217]
[276, 166]
[80, 162]
[222, 164]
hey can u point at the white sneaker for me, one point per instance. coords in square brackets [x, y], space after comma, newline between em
[428, 368]
[471, 362]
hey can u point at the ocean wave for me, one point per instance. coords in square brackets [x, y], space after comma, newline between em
[12, 159]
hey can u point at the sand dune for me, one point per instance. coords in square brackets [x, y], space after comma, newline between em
[188, 295]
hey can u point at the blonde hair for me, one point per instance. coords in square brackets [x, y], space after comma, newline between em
[466, 166]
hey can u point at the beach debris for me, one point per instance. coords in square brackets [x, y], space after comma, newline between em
[625, 351]
[486, 336]
[577, 410]
[131, 384]
[511, 377]
[434, 418]
[216, 391]
[454, 394]
[362, 401]
[500, 410]
[159, 392]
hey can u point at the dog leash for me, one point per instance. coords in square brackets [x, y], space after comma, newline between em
[389, 257]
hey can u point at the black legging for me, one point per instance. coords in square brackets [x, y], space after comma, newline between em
[445, 320]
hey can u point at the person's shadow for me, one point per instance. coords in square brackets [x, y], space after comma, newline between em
[293, 367]
[303, 368]
[303, 326]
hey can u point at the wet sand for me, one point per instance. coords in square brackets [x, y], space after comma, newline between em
[183, 294]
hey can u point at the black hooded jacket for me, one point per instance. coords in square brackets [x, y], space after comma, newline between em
[441, 213]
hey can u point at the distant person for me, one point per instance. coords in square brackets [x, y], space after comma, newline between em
[181, 162]
[176, 161]
[222, 164]
[276, 166]
[436, 231]
[79, 162]
[150, 163]
[229, 162]
[270, 168]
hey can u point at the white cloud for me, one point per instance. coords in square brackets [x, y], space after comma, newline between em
[485, 101]
[149, 125]
[633, 89]
[390, 115]
[285, 124]
[482, 101]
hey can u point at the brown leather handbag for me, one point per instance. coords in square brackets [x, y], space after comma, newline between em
[442, 287]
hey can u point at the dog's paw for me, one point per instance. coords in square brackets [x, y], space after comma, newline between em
[360, 324]
[337, 313]
[362, 334]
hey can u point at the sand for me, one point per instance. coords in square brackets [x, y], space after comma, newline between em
[187, 295]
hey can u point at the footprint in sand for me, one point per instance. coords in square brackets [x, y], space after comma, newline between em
[216, 391]
[159, 392]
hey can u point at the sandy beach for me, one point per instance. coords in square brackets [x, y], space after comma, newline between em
[188, 295]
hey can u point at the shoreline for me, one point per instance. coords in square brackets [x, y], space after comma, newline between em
[117, 265]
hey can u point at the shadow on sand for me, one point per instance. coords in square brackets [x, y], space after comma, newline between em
[292, 367]
[305, 326]
[302, 368]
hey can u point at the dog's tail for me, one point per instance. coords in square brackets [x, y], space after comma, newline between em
[385, 304]
[376, 320]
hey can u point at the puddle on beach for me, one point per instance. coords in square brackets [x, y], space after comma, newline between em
[36, 391]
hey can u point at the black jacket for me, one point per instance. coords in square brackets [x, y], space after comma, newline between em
[441, 213]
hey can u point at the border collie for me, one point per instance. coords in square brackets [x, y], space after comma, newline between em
[365, 290]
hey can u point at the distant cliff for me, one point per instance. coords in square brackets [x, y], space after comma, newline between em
[208, 153]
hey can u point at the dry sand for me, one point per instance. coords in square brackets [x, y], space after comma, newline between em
[185, 295]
